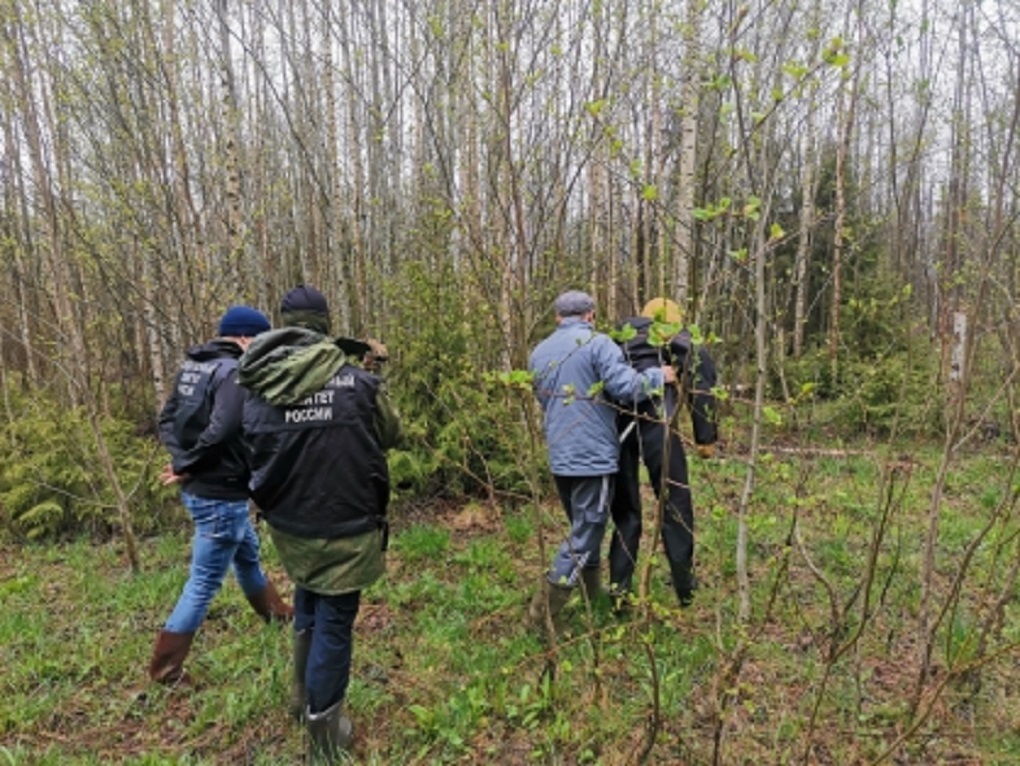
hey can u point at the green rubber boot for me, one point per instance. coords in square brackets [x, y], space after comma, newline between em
[331, 733]
[591, 580]
[558, 596]
[298, 699]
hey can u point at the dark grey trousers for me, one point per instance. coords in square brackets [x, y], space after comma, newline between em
[586, 500]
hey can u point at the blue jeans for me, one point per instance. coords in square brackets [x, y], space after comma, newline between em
[223, 536]
[331, 620]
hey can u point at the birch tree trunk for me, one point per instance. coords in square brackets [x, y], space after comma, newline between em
[845, 111]
[336, 241]
[690, 106]
[233, 218]
[805, 238]
[358, 295]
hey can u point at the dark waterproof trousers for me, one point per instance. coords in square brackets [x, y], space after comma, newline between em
[331, 620]
[647, 441]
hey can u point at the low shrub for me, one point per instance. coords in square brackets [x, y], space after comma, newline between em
[52, 485]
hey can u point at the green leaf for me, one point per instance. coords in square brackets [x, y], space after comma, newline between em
[660, 333]
[834, 54]
[720, 82]
[425, 716]
[624, 334]
[795, 69]
[514, 378]
[752, 209]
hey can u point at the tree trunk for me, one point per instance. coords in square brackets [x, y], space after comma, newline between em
[690, 106]
[806, 224]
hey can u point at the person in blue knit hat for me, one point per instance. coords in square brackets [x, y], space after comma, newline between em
[200, 425]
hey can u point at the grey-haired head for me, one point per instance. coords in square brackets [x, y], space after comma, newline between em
[573, 303]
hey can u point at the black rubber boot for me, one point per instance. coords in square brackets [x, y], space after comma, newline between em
[685, 587]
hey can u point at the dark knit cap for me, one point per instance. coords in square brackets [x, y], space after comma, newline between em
[242, 322]
[304, 306]
[304, 298]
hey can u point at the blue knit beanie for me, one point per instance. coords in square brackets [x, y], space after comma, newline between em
[242, 322]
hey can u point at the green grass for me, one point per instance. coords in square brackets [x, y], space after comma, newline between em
[446, 671]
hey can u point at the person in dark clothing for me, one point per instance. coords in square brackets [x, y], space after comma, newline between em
[200, 425]
[318, 426]
[642, 435]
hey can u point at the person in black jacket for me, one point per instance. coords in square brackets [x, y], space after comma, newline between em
[200, 425]
[318, 425]
[656, 339]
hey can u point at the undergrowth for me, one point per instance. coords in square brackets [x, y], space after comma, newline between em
[446, 670]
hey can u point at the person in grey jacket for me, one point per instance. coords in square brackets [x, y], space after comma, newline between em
[577, 370]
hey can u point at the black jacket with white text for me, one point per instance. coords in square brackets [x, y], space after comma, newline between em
[200, 424]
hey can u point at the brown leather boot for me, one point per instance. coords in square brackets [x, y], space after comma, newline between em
[269, 606]
[167, 663]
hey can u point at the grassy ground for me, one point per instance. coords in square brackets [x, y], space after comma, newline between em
[445, 671]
